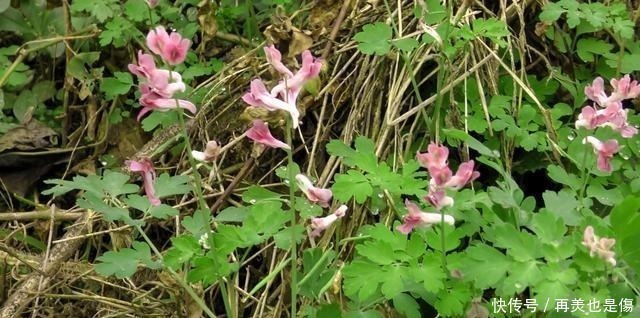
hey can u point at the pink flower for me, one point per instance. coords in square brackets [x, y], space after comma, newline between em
[310, 68]
[171, 47]
[463, 176]
[596, 93]
[438, 198]
[210, 153]
[314, 194]
[275, 59]
[259, 96]
[600, 246]
[613, 116]
[152, 3]
[625, 88]
[145, 67]
[605, 151]
[416, 218]
[145, 167]
[152, 100]
[320, 224]
[260, 133]
[435, 157]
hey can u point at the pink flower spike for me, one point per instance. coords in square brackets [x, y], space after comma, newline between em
[435, 157]
[625, 88]
[605, 152]
[416, 218]
[600, 246]
[463, 176]
[595, 92]
[314, 194]
[211, 152]
[145, 67]
[274, 57]
[152, 3]
[145, 167]
[260, 133]
[320, 224]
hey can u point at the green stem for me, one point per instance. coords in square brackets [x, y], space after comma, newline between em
[294, 245]
[177, 277]
[584, 176]
[443, 243]
[202, 204]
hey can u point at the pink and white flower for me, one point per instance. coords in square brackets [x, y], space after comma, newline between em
[145, 167]
[624, 88]
[416, 218]
[210, 153]
[274, 57]
[320, 224]
[599, 246]
[314, 194]
[604, 151]
[152, 100]
[152, 3]
[259, 96]
[260, 133]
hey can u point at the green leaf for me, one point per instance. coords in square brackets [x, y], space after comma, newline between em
[25, 101]
[429, 273]
[451, 303]
[436, 12]
[183, 249]
[521, 275]
[317, 272]
[558, 174]
[551, 12]
[548, 227]
[116, 183]
[492, 28]
[586, 48]
[232, 214]
[283, 238]
[120, 84]
[362, 279]
[163, 211]
[257, 194]
[625, 222]
[199, 223]
[352, 185]
[4, 5]
[167, 185]
[329, 311]
[522, 246]
[485, 265]
[608, 197]
[563, 204]
[122, 264]
[374, 39]
[405, 45]
[137, 10]
[378, 252]
[101, 9]
[473, 143]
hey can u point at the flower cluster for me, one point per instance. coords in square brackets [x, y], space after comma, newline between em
[442, 179]
[159, 85]
[281, 97]
[157, 89]
[608, 112]
[600, 246]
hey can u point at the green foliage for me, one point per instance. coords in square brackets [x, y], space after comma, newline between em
[374, 39]
[125, 262]
[360, 185]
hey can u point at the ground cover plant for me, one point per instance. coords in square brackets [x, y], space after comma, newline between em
[279, 158]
